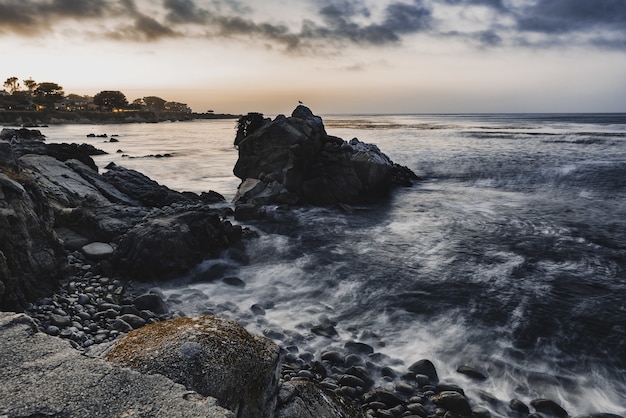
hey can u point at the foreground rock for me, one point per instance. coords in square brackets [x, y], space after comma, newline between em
[210, 355]
[43, 376]
[293, 160]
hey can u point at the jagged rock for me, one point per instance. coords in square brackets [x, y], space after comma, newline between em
[301, 399]
[293, 160]
[167, 245]
[211, 355]
[43, 376]
[149, 192]
[8, 134]
[31, 258]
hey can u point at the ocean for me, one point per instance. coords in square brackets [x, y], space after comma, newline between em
[508, 255]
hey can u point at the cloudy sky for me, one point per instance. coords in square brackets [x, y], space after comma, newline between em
[337, 56]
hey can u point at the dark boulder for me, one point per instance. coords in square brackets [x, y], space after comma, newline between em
[31, 258]
[549, 407]
[172, 242]
[293, 160]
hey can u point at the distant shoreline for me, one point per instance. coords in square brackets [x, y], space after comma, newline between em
[59, 117]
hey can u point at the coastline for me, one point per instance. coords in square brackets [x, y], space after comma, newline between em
[294, 367]
[58, 117]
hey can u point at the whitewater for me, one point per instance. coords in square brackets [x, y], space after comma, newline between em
[508, 255]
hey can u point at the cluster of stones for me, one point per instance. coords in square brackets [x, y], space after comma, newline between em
[90, 308]
[355, 373]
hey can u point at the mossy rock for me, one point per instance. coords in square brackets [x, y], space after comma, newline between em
[210, 355]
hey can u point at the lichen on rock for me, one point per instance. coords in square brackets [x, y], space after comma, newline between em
[211, 355]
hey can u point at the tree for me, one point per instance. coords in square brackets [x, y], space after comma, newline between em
[47, 93]
[154, 103]
[111, 99]
[31, 85]
[12, 84]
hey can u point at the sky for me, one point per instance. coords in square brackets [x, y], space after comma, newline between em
[337, 56]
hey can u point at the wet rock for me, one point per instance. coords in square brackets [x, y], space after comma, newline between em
[547, 406]
[417, 409]
[133, 320]
[325, 330]
[60, 321]
[211, 355]
[151, 302]
[471, 372]
[257, 310]
[519, 406]
[359, 348]
[309, 400]
[453, 402]
[425, 367]
[293, 160]
[382, 395]
[333, 357]
[234, 281]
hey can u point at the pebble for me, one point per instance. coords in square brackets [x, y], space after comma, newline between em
[333, 357]
[53, 330]
[425, 367]
[133, 320]
[60, 321]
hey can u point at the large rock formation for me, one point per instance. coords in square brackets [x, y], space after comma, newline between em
[293, 160]
[157, 232]
[43, 376]
[31, 258]
[210, 355]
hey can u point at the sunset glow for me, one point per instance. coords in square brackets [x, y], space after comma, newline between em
[348, 56]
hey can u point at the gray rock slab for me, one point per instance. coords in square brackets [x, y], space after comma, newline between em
[43, 375]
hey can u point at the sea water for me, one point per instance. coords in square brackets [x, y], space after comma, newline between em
[508, 255]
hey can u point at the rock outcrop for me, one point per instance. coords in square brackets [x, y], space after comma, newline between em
[210, 355]
[31, 258]
[43, 376]
[293, 160]
[155, 232]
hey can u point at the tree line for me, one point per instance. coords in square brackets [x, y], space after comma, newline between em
[50, 96]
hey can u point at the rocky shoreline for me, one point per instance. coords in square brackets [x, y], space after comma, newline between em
[32, 119]
[79, 251]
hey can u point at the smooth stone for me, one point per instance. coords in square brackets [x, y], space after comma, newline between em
[354, 360]
[333, 357]
[425, 367]
[53, 330]
[471, 372]
[60, 320]
[257, 310]
[234, 281]
[417, 409]
[350, 380]
[547, 406]
[359, 348]
[133, 320]
[519, 406]
[453, 402]
[405, 388]
[122, 326]
[325, 330]
[151, 302]
[97, 250]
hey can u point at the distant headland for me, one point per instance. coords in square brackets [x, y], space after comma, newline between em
[46, 103]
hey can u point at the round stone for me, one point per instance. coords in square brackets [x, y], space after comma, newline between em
[97, 250]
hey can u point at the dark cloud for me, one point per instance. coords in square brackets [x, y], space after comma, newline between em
[495, 4]
[334, 22]
[562, 16]
[408, 18]
[185, 11]
[18, 17]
